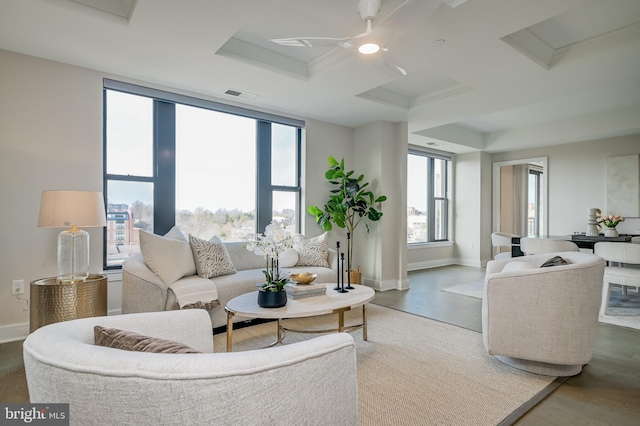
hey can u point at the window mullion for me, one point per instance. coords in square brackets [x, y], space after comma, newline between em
[264, 192]
[164, 193]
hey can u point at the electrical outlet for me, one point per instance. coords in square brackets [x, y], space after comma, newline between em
[17, 287]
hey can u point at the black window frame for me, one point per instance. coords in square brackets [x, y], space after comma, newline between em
[431, 198]
[164, 169]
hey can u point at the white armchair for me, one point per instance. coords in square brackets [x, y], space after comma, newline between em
[542, 320]
[312, 382]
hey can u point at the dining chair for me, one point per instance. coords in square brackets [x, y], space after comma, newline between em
[503, 239]
[623, 267]
[531, 246]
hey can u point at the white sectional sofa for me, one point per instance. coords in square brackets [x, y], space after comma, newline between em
[144, 291]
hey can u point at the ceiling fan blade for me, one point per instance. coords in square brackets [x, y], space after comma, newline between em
[318, 41]
[404, 18]
[385, 62]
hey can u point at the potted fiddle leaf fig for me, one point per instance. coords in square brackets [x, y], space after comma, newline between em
[350, 204]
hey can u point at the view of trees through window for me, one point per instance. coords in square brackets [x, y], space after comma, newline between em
[211, 160]
[427, 202]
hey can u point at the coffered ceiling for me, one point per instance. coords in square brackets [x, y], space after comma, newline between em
[489, 75]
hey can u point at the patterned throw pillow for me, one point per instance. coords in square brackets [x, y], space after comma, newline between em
[211, 257]
[130, 341]
[312, 251]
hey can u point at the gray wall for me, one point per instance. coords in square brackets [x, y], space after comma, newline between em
[51, 138]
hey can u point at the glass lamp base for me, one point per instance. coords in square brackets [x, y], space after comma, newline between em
[73, 255]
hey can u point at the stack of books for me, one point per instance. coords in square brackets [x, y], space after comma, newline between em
[299, 291]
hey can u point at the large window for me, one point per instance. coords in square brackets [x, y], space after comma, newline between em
[209, 168]
[427, 198]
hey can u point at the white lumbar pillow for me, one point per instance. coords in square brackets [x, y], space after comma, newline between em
[288, 258]
[169, 257]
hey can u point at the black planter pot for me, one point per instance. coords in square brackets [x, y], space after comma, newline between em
[272, 299]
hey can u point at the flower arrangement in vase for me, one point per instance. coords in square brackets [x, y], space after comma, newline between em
[610, 222]
[275, 241]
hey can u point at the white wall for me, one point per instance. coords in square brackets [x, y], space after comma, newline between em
[577, 180]
[380, 153]
[322, 140]
[51, 138]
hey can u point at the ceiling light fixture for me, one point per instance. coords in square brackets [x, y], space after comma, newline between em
[368, 48]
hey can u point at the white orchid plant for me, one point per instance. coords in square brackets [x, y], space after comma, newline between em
[276, 240]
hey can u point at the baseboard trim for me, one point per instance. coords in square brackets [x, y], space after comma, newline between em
[430, 264]
[13, 332]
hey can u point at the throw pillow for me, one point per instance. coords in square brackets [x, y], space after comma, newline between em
[167, 257]
[211, 257]
[554, 261]
[517, 265]
[288, 258]
[130, 341]
[312, 251]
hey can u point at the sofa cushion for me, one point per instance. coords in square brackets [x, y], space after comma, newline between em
[244, 259]
[130, 341]
[211, 257]
[169, 257]
[311, 251]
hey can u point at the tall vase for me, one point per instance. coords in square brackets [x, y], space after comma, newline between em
[592, 223]
[610, 232]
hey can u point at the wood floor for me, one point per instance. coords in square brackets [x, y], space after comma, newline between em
[607, 392]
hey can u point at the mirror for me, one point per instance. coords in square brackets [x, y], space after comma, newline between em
[520, 199]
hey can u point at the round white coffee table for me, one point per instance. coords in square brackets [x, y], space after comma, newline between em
[332, 302]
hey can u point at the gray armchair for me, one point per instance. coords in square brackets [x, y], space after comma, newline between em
[542, 320]
[311, 382]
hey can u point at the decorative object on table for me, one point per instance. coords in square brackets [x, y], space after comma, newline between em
[275, 241]
[611, 222]
[72, 209]
[340, 287]
[348, 287]
[350, 203]
[303, 277]
[592, 223]
[300, 291]
[340, 272]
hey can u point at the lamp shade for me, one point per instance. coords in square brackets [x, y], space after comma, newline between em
[61, 209]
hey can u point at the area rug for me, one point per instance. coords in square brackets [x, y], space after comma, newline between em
[416, 371]
[472, 289]
[623, 304]
[622, 310]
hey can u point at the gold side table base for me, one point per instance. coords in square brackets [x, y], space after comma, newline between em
[52, 301]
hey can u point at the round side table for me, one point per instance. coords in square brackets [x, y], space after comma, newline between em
[53, 301]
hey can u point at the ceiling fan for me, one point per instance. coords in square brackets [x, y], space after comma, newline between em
[401, 19]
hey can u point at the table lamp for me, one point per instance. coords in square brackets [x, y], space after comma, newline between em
[72, 209]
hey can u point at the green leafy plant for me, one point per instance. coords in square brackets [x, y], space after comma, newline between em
[350, 203]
